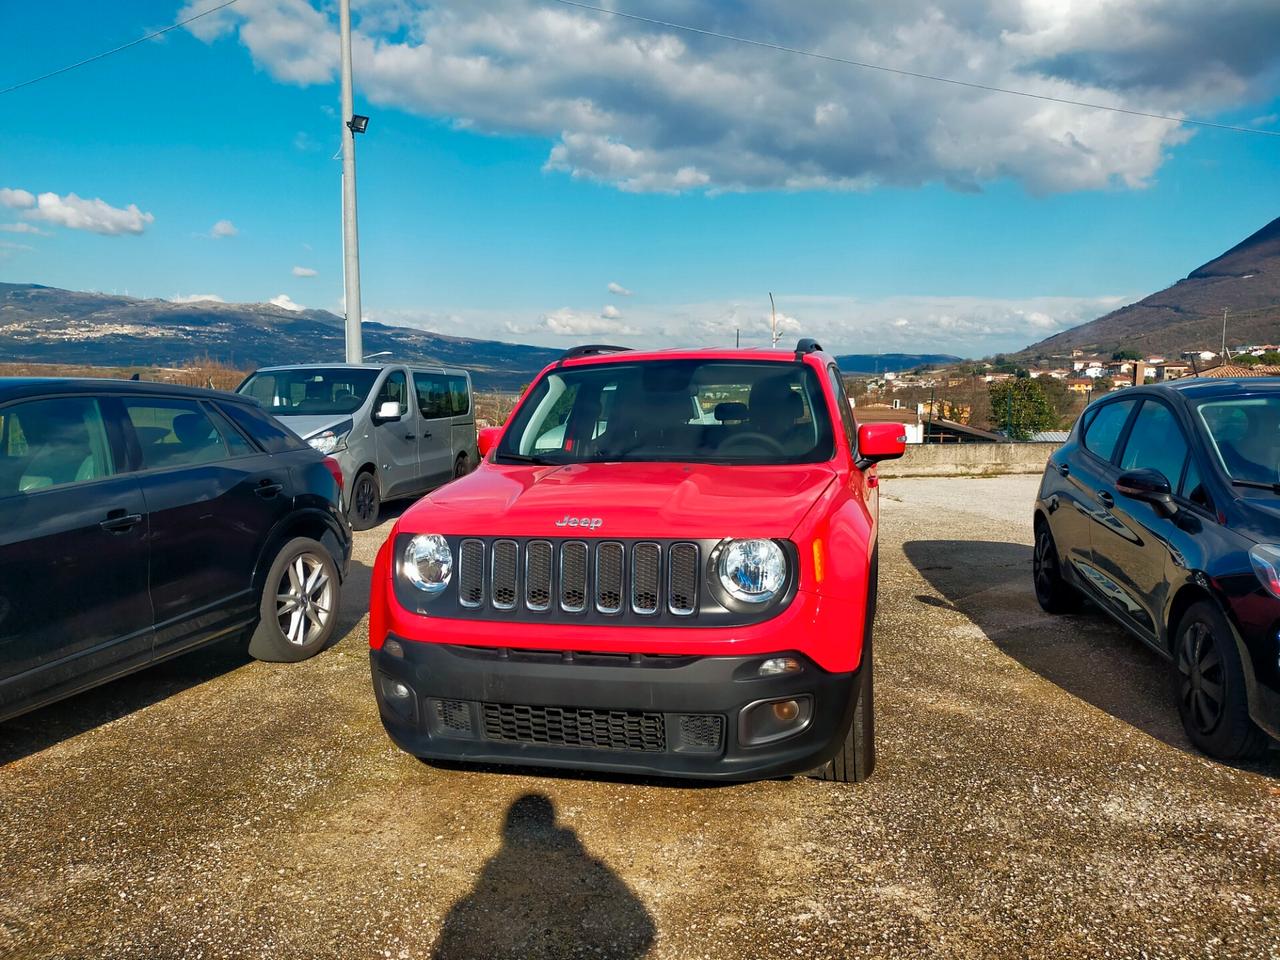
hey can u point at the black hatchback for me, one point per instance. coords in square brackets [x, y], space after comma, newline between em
[1163, 508]
[140, 520]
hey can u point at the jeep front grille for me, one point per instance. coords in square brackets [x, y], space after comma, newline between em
[575, 727]
[633, 581]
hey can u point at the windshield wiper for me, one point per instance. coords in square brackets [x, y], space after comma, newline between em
[1259, 484]
[527, 458]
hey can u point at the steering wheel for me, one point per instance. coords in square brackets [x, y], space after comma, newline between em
[753, 437]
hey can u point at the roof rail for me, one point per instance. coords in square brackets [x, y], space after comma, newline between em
[590, 350]
[807, 345]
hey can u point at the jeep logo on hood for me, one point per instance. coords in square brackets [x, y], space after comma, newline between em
[589, 522]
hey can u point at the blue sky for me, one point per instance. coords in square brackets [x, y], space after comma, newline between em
[503, 201]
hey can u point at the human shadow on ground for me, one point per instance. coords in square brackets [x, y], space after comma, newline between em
[32, 732]
[1087, 654]
[543, 895]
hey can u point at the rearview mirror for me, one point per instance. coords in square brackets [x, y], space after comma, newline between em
[390, 410]
[880, 441]
[487, 438]
[1149, 485]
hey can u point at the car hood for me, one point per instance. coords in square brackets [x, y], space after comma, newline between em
[623, 500]
[306, 425]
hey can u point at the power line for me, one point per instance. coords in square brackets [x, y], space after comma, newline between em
[123, 46]
[909, 73]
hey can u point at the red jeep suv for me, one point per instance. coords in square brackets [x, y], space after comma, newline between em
[666, 564]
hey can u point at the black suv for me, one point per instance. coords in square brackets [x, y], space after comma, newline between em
[1163, 507]
[140, 520]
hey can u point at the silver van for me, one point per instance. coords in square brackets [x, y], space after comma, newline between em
[397, 430]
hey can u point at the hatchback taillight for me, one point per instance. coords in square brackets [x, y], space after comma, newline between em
[336, 469]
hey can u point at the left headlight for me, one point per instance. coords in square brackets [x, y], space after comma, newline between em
[428, 562]
[333, 440]
[753, 571]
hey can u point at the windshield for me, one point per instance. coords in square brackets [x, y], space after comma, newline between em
[310, 391]
[704, 411]
[1245, 434]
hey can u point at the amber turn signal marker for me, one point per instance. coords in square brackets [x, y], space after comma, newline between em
[819, 570]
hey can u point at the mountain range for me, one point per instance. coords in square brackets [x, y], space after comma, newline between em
[1244, 281]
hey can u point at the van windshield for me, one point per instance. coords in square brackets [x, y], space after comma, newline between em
[700, 411]
[310, 391]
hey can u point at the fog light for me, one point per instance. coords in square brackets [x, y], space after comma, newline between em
[777, 665]
[786, 710]
[392, 648]
[398, 689]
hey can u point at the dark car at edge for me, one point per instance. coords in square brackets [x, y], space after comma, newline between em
[1163, 508]
[141, 520]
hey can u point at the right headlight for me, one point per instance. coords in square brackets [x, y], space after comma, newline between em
[753, 571]
[333, 440]
[427, 562]
[1265, 558]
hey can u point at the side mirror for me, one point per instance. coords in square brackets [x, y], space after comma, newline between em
[880, 441]
[1149, 485]
[487, 438]
[390, 410]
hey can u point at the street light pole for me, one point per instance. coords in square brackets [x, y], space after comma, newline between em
[350, 240]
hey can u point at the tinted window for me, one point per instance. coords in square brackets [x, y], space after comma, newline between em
[269, 434]
[846, 412]
[1192, 488]
[396, 388]
[311, 390]
[174, 433]
[1245, 434]
[706, 411]
[459, 395]
[1103, 431]
[1156, 442]
[432, 390]
[50, 443]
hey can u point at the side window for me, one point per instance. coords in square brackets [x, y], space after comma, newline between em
[396, 388]
[433, 395]
[1156, 442]
[846, 412]
[1103, 431]
[51, 443]
[552, 432]
[268, 432]
[1192, 488]
[174, 433]
[459, 396]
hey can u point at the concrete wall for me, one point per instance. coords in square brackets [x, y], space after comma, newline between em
[968, 459]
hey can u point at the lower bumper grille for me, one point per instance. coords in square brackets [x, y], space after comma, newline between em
[575, 727]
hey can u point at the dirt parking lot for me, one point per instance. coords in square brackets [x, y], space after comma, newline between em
[1035, 797]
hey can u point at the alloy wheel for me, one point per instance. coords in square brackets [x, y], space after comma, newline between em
[304, 599]
[1044, 564]
[1202, 679]
[364, 497]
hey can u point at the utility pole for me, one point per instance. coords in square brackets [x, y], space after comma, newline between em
[737, 338]
[1223, 355]
[774, 336]
[350, 240]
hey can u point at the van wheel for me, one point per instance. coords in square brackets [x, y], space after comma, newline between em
[1208, 681]
[856, 759]
[1053, 593]
[298, 610]
[365, 501]
[461, 466]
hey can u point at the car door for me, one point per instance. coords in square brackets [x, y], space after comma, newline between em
[435, 440]
[74, 606]
[396, 440]
[1136, 547]
[213, 499]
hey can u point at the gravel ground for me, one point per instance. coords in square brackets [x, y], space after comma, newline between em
[1035, 797]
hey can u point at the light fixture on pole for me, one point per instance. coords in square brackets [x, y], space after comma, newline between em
[357, 123]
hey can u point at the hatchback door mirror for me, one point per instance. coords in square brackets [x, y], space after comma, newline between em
[880, 441]
[1149, 485]
[390, 410]
[487, 439]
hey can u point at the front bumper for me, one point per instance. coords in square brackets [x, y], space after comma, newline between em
[612, 713]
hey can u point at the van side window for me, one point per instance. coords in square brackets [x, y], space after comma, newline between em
[433, 395]
[50, 443]
[396, 388]
[460, 397]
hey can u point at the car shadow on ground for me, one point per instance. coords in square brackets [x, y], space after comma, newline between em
[1086, 654]
[40, 729]
[544, 895]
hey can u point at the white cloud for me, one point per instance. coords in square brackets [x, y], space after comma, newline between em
[222, 229]
[284, 302]
[566, 322]
[8, 249]
[647, 108]
[11, 197]
[303, 272]
[610, 312]
[29, 228]
[95, 216]
[197, 298]
[618, 290]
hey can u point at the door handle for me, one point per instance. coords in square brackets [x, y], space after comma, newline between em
[1106, 499]
[1064, 469]
[118, 521]
[426, 435]
[410, 436]
[267, 488]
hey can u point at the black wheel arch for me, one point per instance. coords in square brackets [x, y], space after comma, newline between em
[1197, 589]
[308, 522]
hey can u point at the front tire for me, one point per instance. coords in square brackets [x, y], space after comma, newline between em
[461, 466]
[1208, 681]
[1053, 593]
[298, 610]
[366, 501]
